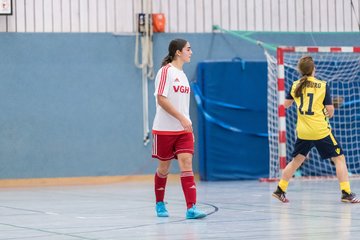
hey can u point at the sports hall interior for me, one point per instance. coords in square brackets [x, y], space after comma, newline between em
[77, 111]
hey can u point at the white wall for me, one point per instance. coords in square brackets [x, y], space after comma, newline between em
[183, 15]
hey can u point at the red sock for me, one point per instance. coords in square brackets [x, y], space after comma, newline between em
[160, 183]
[189, 187]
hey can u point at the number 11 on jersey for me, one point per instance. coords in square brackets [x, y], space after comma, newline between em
[309, 108]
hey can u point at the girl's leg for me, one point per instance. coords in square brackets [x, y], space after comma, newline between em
[342, 173]
[189, 186]
[160, 179]
[287, 174]
[187, 178]
[341, 168]
[343, 177]
[292, 166]
[160, 184]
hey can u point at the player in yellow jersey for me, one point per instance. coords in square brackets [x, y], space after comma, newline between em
[314, 108]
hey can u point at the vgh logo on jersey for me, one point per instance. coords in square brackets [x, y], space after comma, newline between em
[182, 89]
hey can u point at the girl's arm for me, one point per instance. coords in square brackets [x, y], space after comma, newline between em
[168, 107]
[288, 102]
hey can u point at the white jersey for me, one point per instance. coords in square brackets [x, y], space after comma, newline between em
[173, 84]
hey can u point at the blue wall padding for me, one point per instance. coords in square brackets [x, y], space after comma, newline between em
[233, 142]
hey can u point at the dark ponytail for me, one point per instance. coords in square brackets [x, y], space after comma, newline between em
[306, 67]
[176, 44]
[301, 85]
[168, 59]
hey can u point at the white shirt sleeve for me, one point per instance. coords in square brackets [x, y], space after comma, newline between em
[163, 81]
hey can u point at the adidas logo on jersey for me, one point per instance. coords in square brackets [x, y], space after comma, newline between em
[176, 80]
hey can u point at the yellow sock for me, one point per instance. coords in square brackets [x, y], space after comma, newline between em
[345, 186]
[283, 184]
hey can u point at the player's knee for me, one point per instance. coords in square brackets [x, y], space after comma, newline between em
[163, 167]
[299, 159]
[185, 163]
[338, 159]
[163, 171]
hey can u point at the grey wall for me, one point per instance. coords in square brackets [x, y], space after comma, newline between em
[71, 104]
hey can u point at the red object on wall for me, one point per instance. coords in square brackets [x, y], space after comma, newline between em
[158, 21]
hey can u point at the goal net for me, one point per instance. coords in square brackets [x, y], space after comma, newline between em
[340, 67]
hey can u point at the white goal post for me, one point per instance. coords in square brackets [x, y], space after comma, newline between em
[340, 67]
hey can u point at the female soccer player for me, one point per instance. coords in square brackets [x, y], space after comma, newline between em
[314, 107]
[172, 128]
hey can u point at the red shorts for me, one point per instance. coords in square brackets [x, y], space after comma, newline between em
[166, 147]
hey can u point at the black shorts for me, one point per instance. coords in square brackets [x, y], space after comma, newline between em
[327, 147]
